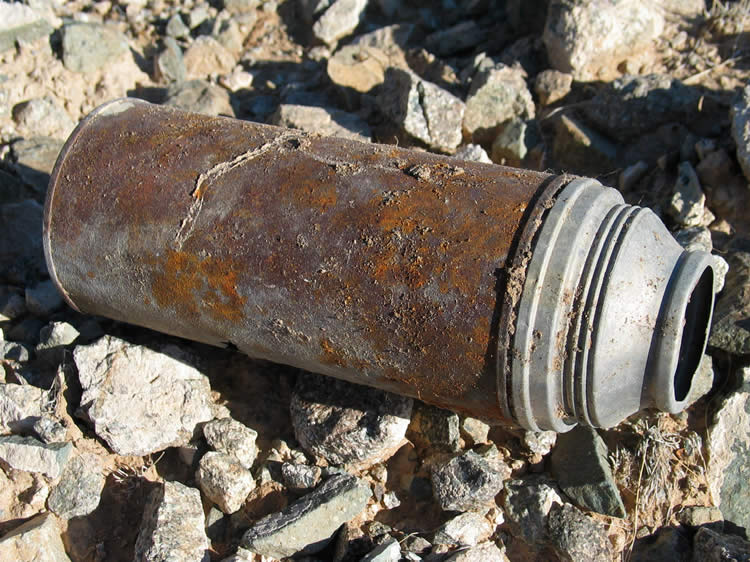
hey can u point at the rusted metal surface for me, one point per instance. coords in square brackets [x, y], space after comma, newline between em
[375, 264]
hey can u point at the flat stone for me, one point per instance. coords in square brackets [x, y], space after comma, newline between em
[584, 37]
[485, 552]
[322, 121]
[358, 67]
[308, 525]
[688, 201]
[26, 453]
[43, 298]
[576, 536]
[710, 546]
[467, 529]
[173, 526]
[527, 503]
[169, 64]
[37, 539]
[80, 487]
[233, 438]
[497, 95]
[579, 462]
[138, 400]
[422, 109]
[467, 482]
[346, 423]
[87, 47]
[740, 116]
[551, 86]
[207, 56]
[224, 481]
[730, 328]
[339, 20]
[199, 96]
[21, 405]
[34, 159]
[43, 117]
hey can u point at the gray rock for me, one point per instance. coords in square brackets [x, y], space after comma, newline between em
[710, 546]
[579, 149]
[90, 46]
[422, 109]
[467, 482]
[21, 406]
[473, 153]
[241, 6]
[467, 529]
[339, 20]
[740, 115]
[37, 539]
[435, 427]
[43, 117]
[485, 552]
[527, 503]
[389, 551]
[169, 65]
[198, 15]
[49, 429]
[515, 141]
[14, 351]
[206, 56]
[579, 462]
[497, 95]
[728, 447]
[141, 401]
[53, 339]
[344, 422]
[459, 37]
[172, 526]
[475, 431]
[307, 525]
[539, 442]
[233, 438]
[630, 106]
[583, 37]
[322, 121]
[79, 489]
[26, 453]
[551, 86]
[43, 299]
[694, 238]
[201, 97]
[688, 201]
[731, 328]
[12, 306]
[576, 536]
[300, 477]
[20, 24]
[224, 481]
[176, 27]
[34, 159]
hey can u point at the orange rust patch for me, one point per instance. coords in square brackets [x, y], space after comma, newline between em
[194, 286]
[330, 355]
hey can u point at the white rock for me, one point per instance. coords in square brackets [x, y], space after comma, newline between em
[230, 436]
[224, 481]
[31, 455]
[339, 20]
[21, 405]
[689, 201]
[37, 539]
[467, 529]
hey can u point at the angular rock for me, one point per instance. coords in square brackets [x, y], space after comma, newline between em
[339, 20]
[26, 453]
[307, 525]
[176, 27]
[224, 481]
[551, 86]
[582, 37]
[89, 46]
[485, 552]
[21, 405]
[539, 442]
[141, 401]
[43, 298]
[730, 328]
[728, 447]
[79, 489]
[201, 97]
[53, 339]
[580, 149]
[630, 106]
[688, 202]
[241, 6]
[422, 109]
[576, 536]
[473, 153]
[172, 526]
[37, 539]
[475, 430]
[710, 546]
[740, 115]
[467, 482]
[34, 159]
[580, 464]
[344, 422]
[694, 238]
[497, 95]
[169, 64]
[14, 351]
[435, 427]
[322, 121]
[467, 529]
[358, 67]
[300, 477]
[527, 503]
[49, 430]
[43, 117]
[515, 141]
[233, 438]
[207, 56]
[20, 24]
[389, 551]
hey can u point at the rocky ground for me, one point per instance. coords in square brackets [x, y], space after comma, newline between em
[118, 443]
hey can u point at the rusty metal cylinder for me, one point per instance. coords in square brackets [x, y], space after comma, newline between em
[510, 295]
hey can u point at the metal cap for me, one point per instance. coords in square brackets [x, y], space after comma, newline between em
[613, 317]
